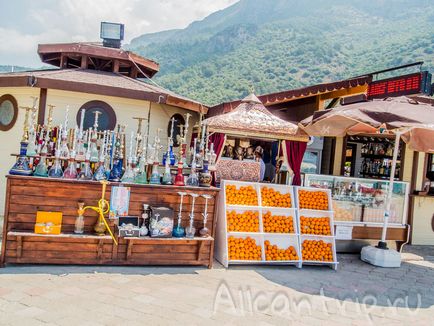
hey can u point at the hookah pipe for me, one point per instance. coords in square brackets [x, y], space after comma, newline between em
[191, 230]
[204, 232]
[179, 231]
[103, 208]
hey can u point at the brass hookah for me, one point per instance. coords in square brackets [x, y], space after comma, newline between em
[139, 137]
[103, 208]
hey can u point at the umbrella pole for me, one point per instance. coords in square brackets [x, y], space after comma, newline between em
[382, 244]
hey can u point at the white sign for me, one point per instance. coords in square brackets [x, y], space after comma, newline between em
[344, 232]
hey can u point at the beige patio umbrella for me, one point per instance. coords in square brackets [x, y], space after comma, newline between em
[403, 116]
[252, 119]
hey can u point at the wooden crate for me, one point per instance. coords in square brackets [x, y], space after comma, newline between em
[26, 195]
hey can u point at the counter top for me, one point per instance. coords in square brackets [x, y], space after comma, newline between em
[92, 182]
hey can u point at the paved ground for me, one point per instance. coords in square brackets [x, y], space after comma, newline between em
[357, 294]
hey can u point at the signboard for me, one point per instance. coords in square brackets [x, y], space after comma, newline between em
[344, 232]
[416, 83]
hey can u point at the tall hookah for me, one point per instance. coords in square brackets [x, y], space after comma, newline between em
[155, 176]
[117, 165]
[139, 140]
[193, 179]
[167, 176]
[21, 166]
[190, 230]
[94, 154]
[182, 161]
[100, 173]
[179, 231]
[56, 170]
[169, 154]
[141, 175]
[42, 169]
[71, 171]
[129, 174]
[86, 171]
[81, 153]
[64, 150]
[205, 232]
[31, 147]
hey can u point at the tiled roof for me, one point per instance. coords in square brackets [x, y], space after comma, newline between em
[98, 82]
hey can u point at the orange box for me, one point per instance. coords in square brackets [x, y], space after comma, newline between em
[48, 222]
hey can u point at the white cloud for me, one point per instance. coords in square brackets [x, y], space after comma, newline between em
[79, 20]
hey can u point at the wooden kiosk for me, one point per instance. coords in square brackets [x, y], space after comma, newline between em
[26, 195]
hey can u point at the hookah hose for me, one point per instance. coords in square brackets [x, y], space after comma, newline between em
[102, 203]
[103, 208]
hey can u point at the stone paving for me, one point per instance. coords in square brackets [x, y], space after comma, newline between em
[356, 294]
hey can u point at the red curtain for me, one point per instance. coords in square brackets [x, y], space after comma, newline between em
[218, 140]
[295, 152]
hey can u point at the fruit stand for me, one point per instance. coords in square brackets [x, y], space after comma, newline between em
[274, 224]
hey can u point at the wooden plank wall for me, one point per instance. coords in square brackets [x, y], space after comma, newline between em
[26, 195]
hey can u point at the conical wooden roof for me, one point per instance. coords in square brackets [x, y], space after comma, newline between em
[252, 119]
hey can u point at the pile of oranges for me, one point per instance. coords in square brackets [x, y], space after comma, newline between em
[278, 223]
[313, 200]
[317, 250]
[243, 222]
[273, 198]
[244, 196]
[315, 225]
[244, 249]
[272, 252]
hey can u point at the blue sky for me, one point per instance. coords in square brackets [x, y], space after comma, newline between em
[24, 23]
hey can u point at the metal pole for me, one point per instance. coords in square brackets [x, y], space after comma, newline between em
[390, 190]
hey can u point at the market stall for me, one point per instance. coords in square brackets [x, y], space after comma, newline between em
[401, 117]
[274, 225]
[28, 195]
[93, 196]
[239, 130]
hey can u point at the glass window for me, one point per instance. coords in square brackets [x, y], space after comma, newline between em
[106, 117]
[310, 162]
[179, 123]
[8, 112]
[430, 167]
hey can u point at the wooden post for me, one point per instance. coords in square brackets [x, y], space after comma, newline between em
[84, 62]
[42, 105]
[116, 66]
[5, 224]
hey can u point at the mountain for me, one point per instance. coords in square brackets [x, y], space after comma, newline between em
[282, 44]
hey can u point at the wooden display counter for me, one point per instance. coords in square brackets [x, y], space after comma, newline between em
[26, 195]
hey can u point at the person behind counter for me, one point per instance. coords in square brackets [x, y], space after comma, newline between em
[259, 152]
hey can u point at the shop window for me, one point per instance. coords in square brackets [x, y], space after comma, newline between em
[179, 121]
[430, 167]
[8, 112]
[106, 118]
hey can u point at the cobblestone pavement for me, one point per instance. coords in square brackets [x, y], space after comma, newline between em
[356, 294]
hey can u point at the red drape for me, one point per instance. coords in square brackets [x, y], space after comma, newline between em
[295, 152]
[218, 140]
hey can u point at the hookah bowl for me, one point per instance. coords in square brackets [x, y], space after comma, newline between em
[56, 170]
[41, 169]
[116, 171]
[179, 231]
[100, 173]
[21, 166]
[141, 178]
[167, 178]
[155, 176]
[205, 232]
[191, 230]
